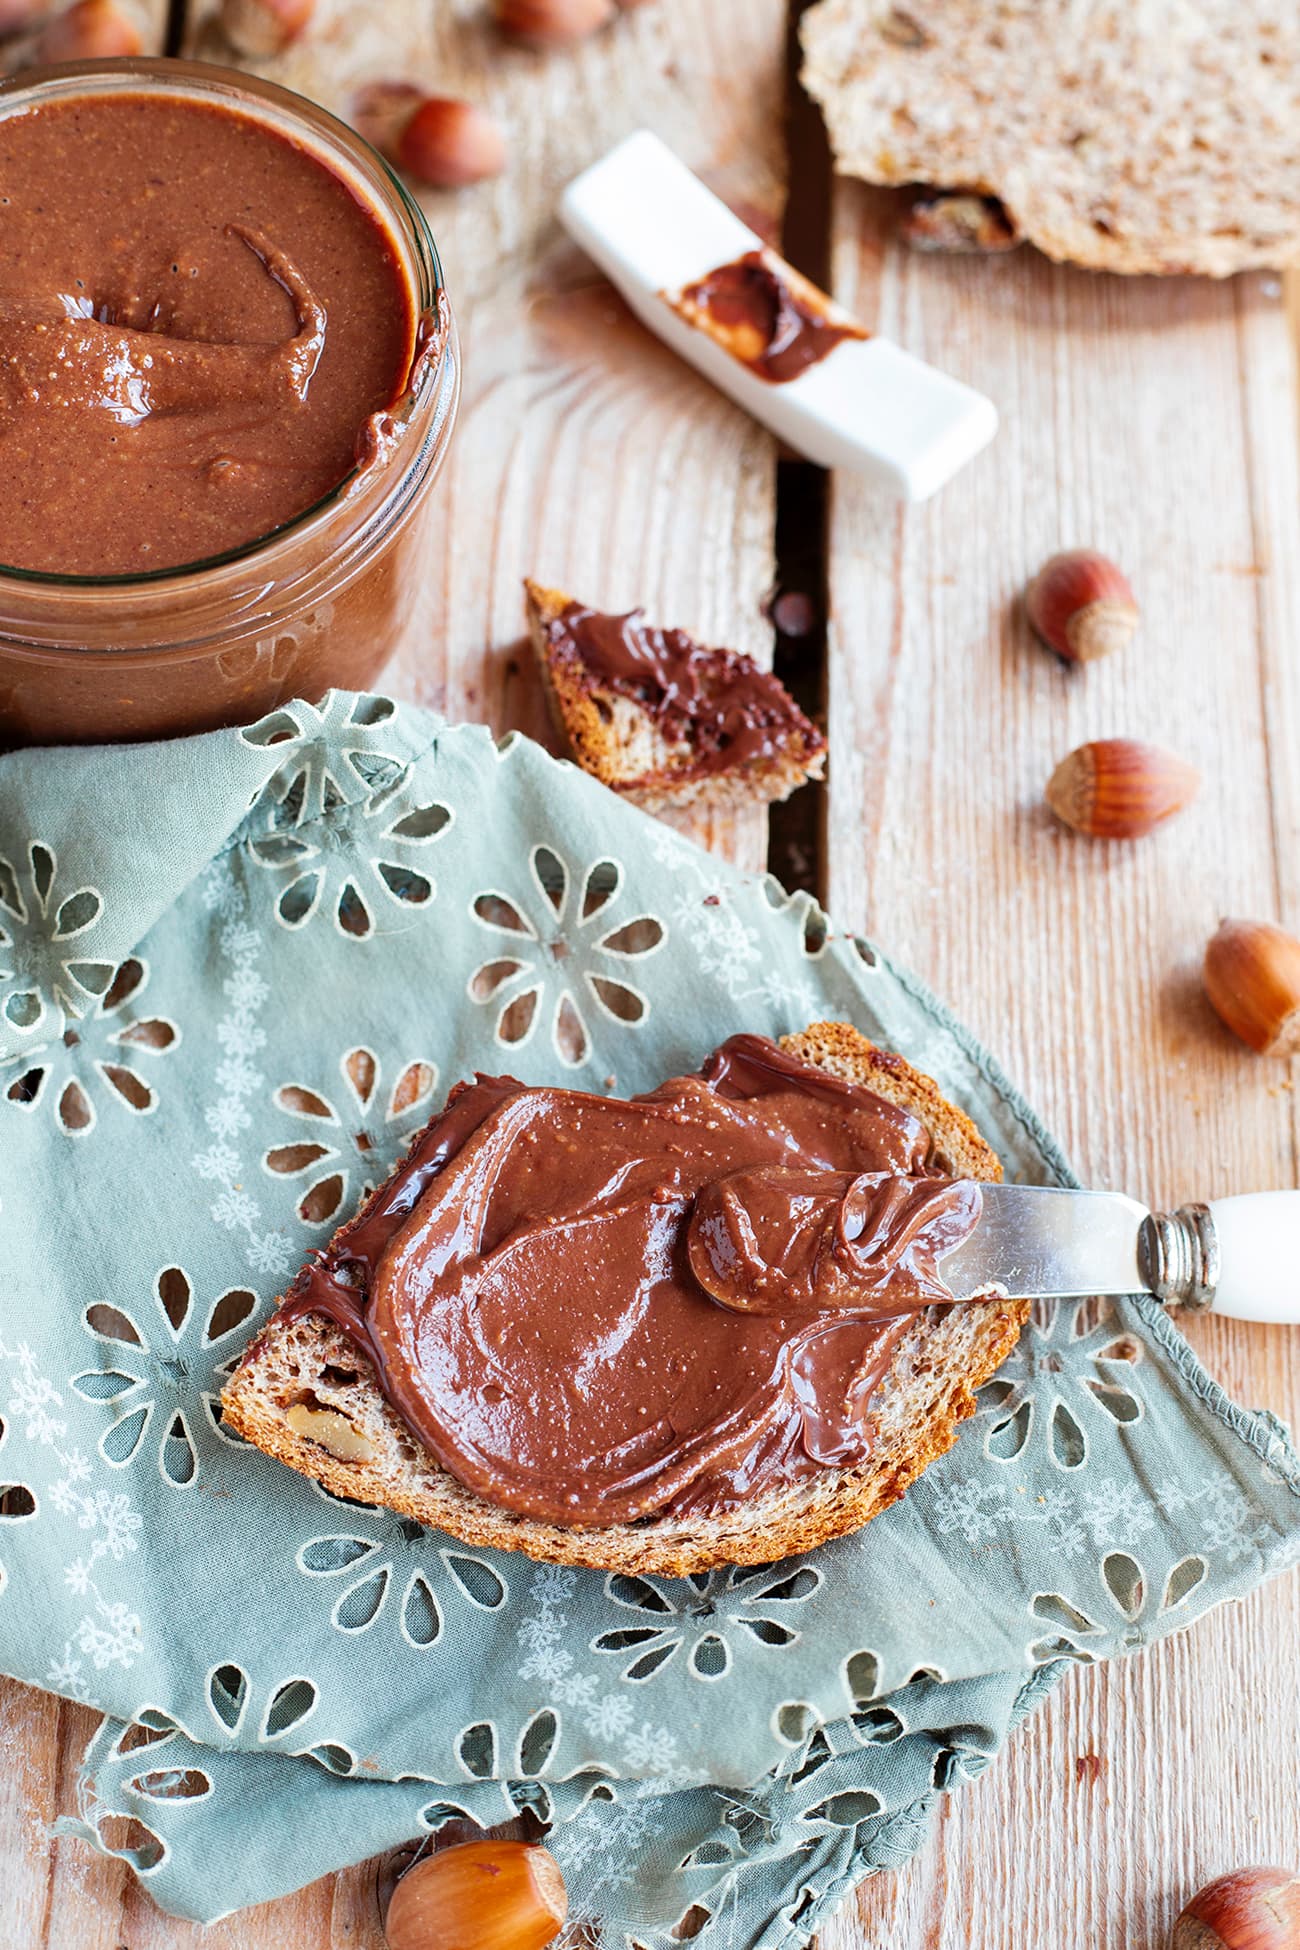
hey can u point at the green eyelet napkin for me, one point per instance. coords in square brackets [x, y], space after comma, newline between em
[236, 973]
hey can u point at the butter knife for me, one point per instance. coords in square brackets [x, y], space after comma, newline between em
[1238, 1256]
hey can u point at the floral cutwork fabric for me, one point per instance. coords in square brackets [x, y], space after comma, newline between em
[221, 1019]
[109, 1059]
[567, 948]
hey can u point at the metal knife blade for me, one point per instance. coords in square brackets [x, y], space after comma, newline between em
[1039, 1242]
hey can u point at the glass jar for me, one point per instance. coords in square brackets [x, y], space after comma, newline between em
[320, 602]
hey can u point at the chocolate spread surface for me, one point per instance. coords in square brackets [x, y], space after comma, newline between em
[199, 322]
[766, 316]
[592, 1310]
[721, 703]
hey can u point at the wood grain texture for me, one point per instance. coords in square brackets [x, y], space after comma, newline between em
[1155, 421]
[1158, 421]
[586, 455]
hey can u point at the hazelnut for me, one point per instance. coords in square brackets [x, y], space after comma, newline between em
[552, 23]
[1081, 605]
[92, 30]
[1251, 1909]
[958, 221]
[332, 1431]
[17, 15]
[492, 1895]
[258, 28]
[1118, 788]
[447, 143]
[1252, 977]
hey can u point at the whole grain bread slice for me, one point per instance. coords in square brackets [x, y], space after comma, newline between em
[305, 1395]
[1128, 135]
[622, 744]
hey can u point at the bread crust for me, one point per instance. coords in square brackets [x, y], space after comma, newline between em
[945, 1357]
[1125, 138]
[620, 743]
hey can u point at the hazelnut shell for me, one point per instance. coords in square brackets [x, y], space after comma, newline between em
[489, 1895]
[92, 30]
[552, 23]
[1081, 606]
[1252, 977]
[1119, 788]
[448, 143]
[259, 28]
[1250, 1909]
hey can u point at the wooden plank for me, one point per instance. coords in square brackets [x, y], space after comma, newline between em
[585, 454]
[1155, 421]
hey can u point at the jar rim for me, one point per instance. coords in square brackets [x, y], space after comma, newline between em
[167, 74]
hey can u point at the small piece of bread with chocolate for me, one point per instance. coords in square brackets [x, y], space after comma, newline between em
[308, 1395]
[654, 715]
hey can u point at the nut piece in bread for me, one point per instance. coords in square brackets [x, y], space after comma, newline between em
[305, 1395]
[1123, 136]
[623, 745]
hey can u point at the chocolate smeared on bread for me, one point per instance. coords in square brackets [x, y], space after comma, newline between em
[657, 716]
[311, 1391]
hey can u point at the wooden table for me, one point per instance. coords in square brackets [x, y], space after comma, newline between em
[1155, 420]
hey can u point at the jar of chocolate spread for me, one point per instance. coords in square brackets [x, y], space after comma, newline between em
[228, 376]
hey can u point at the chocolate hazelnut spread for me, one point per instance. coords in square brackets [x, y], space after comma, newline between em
[768, 317]
[729, 710]
[202, 326]
[593, 1310]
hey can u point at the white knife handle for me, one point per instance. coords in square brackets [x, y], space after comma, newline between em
[1258, 1238]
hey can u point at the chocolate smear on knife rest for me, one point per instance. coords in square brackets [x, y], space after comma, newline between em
[592, 1310]
[765, 315]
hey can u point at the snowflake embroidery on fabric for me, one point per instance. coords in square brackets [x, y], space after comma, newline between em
[108, 1513]
[333, 751]
[43, 979]
[692, 1614]
[726, 946]
[604, 1843]
[1115, 1512]
[363, 864]
[182, 1356]
[730, 952]
[1099, 1512]
[31, 1397]
[1231, 1525]
[363, 1121]
[1040, 1393]
[100, 1058]
[979, 1509]
[561, 952]
[646, 1749]
[67, 1676]
[111, 1634]
[237, 1077]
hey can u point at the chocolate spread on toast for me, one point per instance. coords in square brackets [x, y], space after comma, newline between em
[592, 1310]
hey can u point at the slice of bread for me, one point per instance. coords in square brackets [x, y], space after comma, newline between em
[1120, 135]
[622, 744]
[309, 1374]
